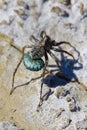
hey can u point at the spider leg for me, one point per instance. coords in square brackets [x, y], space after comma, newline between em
[59, 43]
[33, 39]
[56, 60]
[16, 47]
[43, 75]
[18, 67]
[13, 88]
[61, 73]
[43, 34]
[15, 73]
[9, 40]
[64, 52]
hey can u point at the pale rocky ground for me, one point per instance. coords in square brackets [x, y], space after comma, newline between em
[66, 106]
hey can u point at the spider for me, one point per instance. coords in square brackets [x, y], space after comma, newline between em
[33, 58]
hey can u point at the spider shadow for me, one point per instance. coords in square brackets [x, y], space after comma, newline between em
[68, 67]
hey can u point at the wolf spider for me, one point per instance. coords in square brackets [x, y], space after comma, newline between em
[42, 48]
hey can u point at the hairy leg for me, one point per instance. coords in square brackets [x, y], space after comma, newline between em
[43, 75]
[60, 43]
[25, 83]
[43, 34]
[13, 88]
[63, 52]
[18, 67]
[33, 39]
[61, 72]
[56, 59]
[16, 47]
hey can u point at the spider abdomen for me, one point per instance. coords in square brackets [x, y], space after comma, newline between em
[31, 64]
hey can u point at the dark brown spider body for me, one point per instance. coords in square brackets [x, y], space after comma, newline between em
[42, 48]
[48, 46]
[37, 52]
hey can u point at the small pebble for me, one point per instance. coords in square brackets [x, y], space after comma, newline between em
[59, 11]
[82, 8]
[60, 112]
[68, 98]
[72, 107]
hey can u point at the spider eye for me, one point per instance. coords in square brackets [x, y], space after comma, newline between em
[43, 34]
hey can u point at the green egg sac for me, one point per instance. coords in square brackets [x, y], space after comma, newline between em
[31, 64]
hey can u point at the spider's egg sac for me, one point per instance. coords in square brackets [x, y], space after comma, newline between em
[31, 64]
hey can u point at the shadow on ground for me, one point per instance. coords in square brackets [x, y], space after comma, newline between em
[68, 67]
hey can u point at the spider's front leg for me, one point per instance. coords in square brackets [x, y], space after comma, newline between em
[13, 88]
[64, 51]
[43, 75]
[60, 43]
[33, 39]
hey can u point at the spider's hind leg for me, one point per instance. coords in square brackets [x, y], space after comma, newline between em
[61, 74]
[43, 75]
[63, 51]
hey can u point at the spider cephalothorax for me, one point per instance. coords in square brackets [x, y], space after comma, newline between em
[33, 59]
[38, 50]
